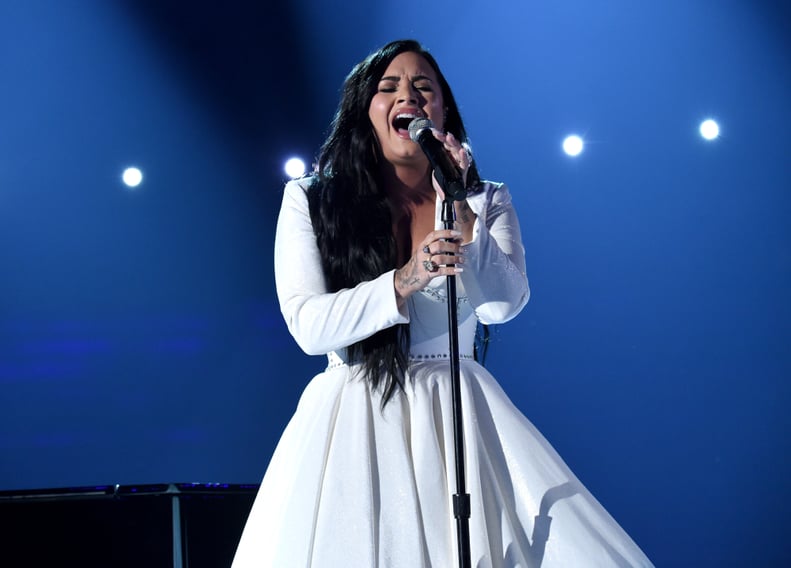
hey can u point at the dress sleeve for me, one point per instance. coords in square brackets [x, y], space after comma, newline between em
[494, 272]
[321, 321]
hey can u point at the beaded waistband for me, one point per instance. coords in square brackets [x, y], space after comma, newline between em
[335, 359]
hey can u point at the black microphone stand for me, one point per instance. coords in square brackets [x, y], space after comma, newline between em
[454, 189]
[461, 499]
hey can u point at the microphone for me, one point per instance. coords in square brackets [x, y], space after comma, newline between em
[446, 172]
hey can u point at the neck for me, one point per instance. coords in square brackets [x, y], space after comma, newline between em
[407, 185]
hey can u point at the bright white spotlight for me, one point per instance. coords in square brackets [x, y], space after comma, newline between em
[294, 168]
[132, 177]
[709, 129]
[573, 145]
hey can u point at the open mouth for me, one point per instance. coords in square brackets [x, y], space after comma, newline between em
[401, 123]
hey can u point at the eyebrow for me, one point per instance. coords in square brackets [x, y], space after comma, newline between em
[416, 78]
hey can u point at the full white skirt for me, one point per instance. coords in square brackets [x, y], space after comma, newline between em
[354, 485]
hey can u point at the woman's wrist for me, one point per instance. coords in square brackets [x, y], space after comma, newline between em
[404, 281]
[465, 220]
[464, 213]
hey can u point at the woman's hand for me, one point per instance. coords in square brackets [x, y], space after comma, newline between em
[460, 155]
[465, 218]
[439, 254]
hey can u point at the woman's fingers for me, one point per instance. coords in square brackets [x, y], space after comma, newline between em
[460, 153]
[450, 235]
[441, 250]
[439, 254]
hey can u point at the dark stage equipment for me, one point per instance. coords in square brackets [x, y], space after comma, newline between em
[178, 525]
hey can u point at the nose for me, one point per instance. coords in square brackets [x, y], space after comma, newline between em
[408, 93]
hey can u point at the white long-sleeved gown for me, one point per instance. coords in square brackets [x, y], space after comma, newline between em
[351, 485]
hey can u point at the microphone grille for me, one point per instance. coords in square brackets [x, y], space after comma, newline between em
[417, 126]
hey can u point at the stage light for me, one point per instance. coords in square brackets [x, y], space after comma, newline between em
[709, 129]
[132, 177]
[294, 168]
[573, 145]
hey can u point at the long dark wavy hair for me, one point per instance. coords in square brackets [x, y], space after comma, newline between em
[350, 210]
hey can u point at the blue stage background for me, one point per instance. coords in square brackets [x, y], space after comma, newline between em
[140, 338]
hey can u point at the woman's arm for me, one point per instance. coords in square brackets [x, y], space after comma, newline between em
[494, 272]
[321, 321]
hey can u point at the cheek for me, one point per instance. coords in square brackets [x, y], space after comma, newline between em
[377, 113]
[437, 114]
